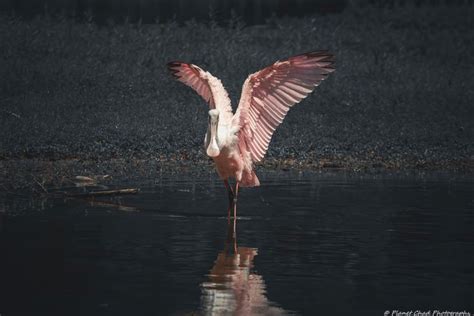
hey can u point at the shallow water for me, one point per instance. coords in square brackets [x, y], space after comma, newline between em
[311, 244]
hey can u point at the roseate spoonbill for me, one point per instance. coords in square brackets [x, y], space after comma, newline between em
[236, 141]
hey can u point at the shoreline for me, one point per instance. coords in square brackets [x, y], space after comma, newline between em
[30, 175]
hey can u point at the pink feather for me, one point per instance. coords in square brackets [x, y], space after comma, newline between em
[268, 94]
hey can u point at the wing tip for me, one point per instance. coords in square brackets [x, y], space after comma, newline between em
[176, 63]
[177, 66]
[323, 56]
[173, 67]
[319, 53]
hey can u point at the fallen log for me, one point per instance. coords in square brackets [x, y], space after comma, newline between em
[104, 193]
[109, 205]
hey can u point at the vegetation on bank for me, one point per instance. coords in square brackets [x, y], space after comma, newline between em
[401, 95]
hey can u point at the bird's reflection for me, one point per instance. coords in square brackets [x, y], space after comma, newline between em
[233, 287]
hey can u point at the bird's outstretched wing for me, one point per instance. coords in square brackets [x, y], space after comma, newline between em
[268, 94]
[206, 85]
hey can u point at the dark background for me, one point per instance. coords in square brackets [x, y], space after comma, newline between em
[84, 85]
[150, 11]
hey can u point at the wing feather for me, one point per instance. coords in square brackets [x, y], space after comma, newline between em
[206, 85]
[268, 94]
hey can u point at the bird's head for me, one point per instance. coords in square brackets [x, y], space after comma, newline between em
[211, 143]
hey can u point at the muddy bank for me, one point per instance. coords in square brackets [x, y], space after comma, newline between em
[39, 176]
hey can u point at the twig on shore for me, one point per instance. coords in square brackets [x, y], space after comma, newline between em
[11, 113]
[87, 181]
[104, 193]
[41, 185]
[91, 178]
[84, 179]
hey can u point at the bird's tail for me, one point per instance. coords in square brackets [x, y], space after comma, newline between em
[249, 179]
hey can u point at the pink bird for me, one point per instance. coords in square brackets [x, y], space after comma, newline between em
[237, 141]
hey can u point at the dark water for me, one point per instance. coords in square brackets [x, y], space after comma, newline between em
[314, 244]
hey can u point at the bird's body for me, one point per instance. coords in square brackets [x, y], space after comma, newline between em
[230, 161]
[236, 141]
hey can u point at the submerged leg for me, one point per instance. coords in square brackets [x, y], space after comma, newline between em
[231, 196]
[231, 241]
[235, 198]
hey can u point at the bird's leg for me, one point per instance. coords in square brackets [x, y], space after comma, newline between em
[231, 197]
[235, 235]
[235, 199]
[231, 241]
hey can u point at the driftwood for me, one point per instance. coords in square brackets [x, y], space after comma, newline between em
[41, 185]
[118, 206]
[104, 193]
[83, 179]
[94, 178]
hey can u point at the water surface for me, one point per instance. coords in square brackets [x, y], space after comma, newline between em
[304, 244]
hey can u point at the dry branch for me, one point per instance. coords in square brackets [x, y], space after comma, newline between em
[120, 207]
[104, 193]
[84, 179]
